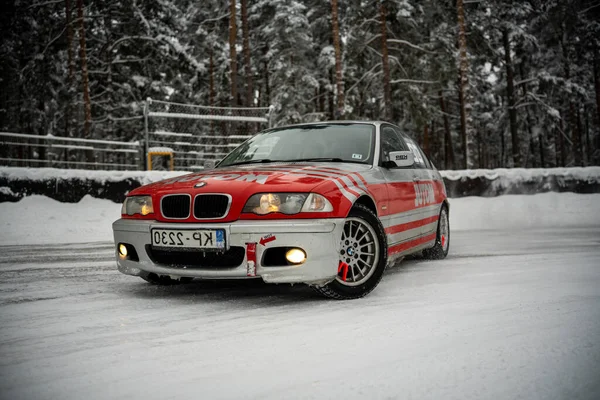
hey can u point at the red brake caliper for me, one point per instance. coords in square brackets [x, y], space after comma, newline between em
[343, 268]
[443, 241]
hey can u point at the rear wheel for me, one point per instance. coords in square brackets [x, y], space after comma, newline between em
[363, 256]
[442, 240]
[163, 280]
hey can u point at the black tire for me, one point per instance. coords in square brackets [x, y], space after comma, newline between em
[340, 291]
[163, 280]
[442, 244]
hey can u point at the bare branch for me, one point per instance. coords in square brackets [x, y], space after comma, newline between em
[414, 81]
[409, 44]
[368, 73]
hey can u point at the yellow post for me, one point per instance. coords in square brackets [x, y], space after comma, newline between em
[161, 153]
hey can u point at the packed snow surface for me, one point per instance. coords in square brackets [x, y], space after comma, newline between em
[513, 312]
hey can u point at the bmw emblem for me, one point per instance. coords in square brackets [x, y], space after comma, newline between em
[200, 184]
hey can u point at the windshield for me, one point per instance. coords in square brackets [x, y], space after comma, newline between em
[321, 142]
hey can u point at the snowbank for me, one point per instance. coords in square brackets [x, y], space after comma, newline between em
[588, 174]
[72, 185]
[501, 181]
[69, 185]
[40, 220]
[544, 210]
[44, 174]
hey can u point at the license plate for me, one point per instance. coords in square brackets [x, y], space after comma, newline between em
[207, 239]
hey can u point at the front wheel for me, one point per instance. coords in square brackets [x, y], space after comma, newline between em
[363, 256]
[442, 240]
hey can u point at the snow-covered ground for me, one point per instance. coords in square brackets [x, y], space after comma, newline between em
[40, 220]
[513, 312]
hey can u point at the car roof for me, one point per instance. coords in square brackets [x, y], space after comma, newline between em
[334, 122]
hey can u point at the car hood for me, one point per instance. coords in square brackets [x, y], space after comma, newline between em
[245, 180]
[341, 183]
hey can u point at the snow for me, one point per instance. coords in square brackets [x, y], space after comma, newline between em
[42, 174]
[501, 175]
[40, 220]
[69, 139]
[160, 150]
[160, 114]
[167, 133]
[5, 190]
[543, 210]
[589, 174]
[513, 312]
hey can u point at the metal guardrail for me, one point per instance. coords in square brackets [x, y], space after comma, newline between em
[24, 150]
[196, 134]
[190, 135]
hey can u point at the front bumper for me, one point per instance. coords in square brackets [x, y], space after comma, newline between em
[319, 238]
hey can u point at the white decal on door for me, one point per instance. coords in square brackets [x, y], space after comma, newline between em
[424, 194]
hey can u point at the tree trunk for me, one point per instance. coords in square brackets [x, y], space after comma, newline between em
[448, 148]
[597, 86]
[338, 59]
[232, 51]
[426, 140]
[433, 143]
[510, 94]
[479, 148]
[211, 87]
[387, 90]
[247, 62]
[463, 97]
[321, 99]
[71, 67]
[561, 143]
[267, 87]
[575, 135]
[587, 137]
[109, 130]
[87, 106]
[579, 127]
[530, 124]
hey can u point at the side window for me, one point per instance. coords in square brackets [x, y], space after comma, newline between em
[419, 160]
[390, 141]
[428, 163]
[425, 159]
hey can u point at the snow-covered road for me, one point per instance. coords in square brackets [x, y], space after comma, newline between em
[513, 312]
[510, 314]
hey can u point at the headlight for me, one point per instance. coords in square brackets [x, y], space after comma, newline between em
[287, 203]
[137, 205]
[317, 203]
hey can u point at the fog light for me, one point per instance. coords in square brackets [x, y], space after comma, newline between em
[122, 250]
[295, 256]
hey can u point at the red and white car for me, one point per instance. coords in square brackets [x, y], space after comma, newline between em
[328, 204]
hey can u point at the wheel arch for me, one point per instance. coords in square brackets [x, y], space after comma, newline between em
[368, 202]
[446, 204]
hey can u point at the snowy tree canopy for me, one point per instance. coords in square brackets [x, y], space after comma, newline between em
[533, 69]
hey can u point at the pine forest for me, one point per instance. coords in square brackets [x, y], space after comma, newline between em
[479, 83]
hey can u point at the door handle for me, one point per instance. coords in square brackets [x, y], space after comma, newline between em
[415, 179]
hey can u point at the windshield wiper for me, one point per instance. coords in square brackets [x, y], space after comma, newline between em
[324, 159]
[260, 161]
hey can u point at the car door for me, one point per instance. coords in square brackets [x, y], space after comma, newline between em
[401, 196]
[426, 196]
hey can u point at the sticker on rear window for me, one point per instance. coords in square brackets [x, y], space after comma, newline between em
[357, 156]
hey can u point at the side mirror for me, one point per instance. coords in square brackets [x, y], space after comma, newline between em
[402, 158]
